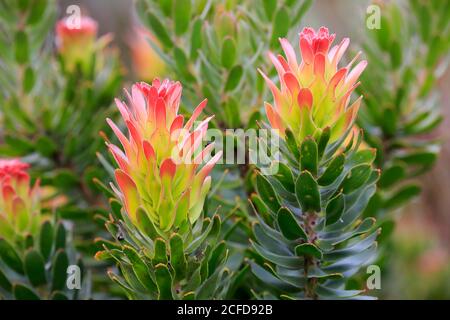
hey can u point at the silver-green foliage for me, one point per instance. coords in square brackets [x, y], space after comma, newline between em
[187, 263]
[310, 232]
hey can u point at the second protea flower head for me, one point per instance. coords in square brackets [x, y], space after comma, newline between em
[19, 204]
[313, 94]
[75, 40]
[160, 167]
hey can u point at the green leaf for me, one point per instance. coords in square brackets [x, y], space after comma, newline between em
[237, 279]
[308, 156]
[424, 22]
[234, 78]
[196, 38]
[116, 208]
[333, 171]
[255, 117]
[181, 15]
[181, 60]
[215, 228]
[21, 47]
[289, 226]
[280, 26]
[35, 268]
[45, 146]
[356, 178]
[23, 5]
[65, 179]
[164, 281]
[218, 255]
[58, 295]
[390, 119]
[366, 156]
[419, 158]
[10, 256]
[387, 228]
[270, 7]
[73, 213]
[177, 258]
[140, 269]
[59, 270]
[391, 175]
[267, 193]
[130, 277]
[159, 30]
[195, 279]
[232, 113]
[22, 292]
[284, 175]
[189, 296]
[160, 252]
[396, 54]
[60, 237]
[327, 293]
[323, 141]
[383, 34]
[301, 11]
[198, 241]
[308, 249]
[4, 282]
[292, 144]
[434, 51]
[166, 6]
[29, 80]
[334, 209]
[260, 206]
[22, 146]
[307, 192]
[290, 261]
[268, 278]
[402, 196]
[208, 287]
[228, 54]
[145, 224]
[37, 12]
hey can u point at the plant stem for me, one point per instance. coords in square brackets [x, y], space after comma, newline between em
[310, 284]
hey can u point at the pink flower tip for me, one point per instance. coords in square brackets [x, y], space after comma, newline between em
[319, 41]
[12, 168]
[71, 27]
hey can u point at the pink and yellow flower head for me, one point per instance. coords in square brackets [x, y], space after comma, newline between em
[313, 94]
[160, 166]
[19, 204]
[75, 40]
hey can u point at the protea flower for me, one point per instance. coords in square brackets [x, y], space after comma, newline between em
[159, 168]
[314, 94]
[19, 204]
[75, 40]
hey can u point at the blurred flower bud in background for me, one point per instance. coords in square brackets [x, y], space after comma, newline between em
[225, 23]
[147, 64]
[19, 204]
[76, 42]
